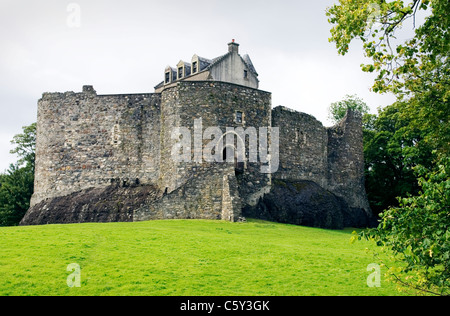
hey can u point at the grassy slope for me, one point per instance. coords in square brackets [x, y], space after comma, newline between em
[185, 258]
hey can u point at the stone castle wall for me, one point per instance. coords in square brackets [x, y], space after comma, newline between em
[331, 157]
[110, 142]
[209, 194]
[303, 146]
[216, 104]
[346, 161]
[87, 140]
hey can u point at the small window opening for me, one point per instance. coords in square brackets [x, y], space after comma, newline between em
[224, 154]
[167, 79]
[180, 72]
[245, 74]
[194, 67]
[239, 116]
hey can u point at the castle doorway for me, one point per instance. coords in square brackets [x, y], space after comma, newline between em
[239, 166]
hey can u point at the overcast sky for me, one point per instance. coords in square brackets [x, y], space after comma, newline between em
[124, 47]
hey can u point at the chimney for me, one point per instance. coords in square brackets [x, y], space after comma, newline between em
[233, 47]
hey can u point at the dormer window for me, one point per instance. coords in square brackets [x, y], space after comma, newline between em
[245, 74]
[198, 64]
[167, 78]
[170, 75]
[183, 70]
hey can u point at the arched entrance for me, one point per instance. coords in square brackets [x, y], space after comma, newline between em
[239, 166]
[234, 147]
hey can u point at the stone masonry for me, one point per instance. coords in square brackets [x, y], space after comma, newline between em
[107, 158]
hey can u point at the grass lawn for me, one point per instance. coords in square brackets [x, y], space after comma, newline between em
[185, 258]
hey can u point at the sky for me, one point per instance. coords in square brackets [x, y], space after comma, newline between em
[124, 47]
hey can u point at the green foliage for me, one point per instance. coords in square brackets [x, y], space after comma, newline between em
[417, 232]
[16, 188]
[416, 70]
[338, 109]
[25, 145]
[409, 135]
[17, 184]
[392, 148]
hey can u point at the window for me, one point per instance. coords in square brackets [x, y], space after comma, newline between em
[225, 153]
[239, 116]
[194, 67]
[245, 74]
[167, 80]
[180, 72]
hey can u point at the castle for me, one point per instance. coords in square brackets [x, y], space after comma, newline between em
[106, 158]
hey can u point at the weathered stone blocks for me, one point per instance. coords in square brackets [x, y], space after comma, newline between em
[110, 158]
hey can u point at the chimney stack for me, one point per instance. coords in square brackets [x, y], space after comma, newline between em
[233, 47]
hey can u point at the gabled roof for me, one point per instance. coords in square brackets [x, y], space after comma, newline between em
[171, 68]
[217, 60]
[246, 59]
[182, 62]
[249, 64]
[203, 59]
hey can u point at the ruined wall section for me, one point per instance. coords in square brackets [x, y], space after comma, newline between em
[216, 104]
[303, 146]
[87, 140]
[331, 157]
[346, 161]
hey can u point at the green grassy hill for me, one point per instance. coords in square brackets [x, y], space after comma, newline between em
[181, 257]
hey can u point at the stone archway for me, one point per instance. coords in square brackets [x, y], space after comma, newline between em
[237, 151]
[238, 155]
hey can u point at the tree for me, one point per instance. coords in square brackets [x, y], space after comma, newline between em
[338, 109]
[17, 184]
[16, 188]
[25, 145]
[417, 233]
[410, 135]
[392, 149]
[415, 70]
